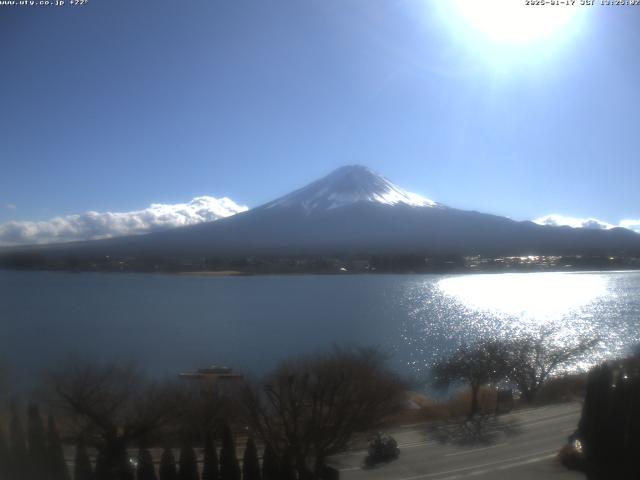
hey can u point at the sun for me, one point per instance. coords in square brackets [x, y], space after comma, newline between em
[515, 21]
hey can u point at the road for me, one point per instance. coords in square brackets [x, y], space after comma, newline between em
[516, 446]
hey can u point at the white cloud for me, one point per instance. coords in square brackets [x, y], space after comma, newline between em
[95, 225]
[556, 220]
[10, 206]
[631, 224]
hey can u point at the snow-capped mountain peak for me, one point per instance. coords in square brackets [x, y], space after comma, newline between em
[346, 186]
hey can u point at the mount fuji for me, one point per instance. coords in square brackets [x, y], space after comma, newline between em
[356, 211]
[346, 186]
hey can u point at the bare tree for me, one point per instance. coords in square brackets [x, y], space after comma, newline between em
[202, 413]
[309, 409]
[531, 359]
[476, 365]
[112, 405]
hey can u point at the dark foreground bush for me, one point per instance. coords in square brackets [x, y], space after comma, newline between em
[382, 448]
[609, 429]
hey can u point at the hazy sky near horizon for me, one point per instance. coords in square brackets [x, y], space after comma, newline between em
[119, 104]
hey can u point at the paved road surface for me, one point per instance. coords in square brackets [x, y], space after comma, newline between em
[518, 446]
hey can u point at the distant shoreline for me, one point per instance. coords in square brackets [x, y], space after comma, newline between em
[337, 264]
[233, 273]
[236, 273]
[215, 273]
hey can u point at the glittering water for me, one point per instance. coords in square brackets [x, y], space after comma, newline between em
[172, 323]
[569, 306]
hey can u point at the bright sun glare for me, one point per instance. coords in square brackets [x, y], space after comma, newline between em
[542, 296]
[512, 21]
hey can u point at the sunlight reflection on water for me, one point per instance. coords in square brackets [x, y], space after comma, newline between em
[253, 322]
[541, 298]
[464, 308]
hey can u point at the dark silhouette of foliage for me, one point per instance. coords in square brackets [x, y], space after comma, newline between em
[57, 466]
[210, 469]
[117, 405]
[102, 471]
[168, 469]
[112, 463]
[82, 469]
[145, 469]
[609, 428]
[19, 458]
[250, 462]
[270, 465]
[37, 443]
[310, 408]
[288, 470]
[4, 456]
[229, 467]
[476, 365]
[202, 410]
[188, 463]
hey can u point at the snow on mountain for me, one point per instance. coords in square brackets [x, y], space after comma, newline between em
[96, 225]
[346, 186]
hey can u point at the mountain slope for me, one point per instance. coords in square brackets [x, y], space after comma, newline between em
[354, 210]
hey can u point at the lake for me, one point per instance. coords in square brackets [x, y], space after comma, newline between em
[174, 323]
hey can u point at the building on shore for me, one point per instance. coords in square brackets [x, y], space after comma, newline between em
[215, 378]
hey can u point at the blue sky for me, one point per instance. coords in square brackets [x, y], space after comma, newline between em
[119, 104]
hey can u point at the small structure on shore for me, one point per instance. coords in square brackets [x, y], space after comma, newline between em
[213, 378]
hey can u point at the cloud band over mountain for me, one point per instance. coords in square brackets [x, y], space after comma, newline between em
[95, 225]
[556, 220]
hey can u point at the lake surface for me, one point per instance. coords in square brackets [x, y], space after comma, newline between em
[173, 323]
